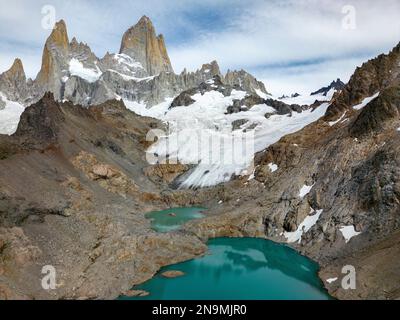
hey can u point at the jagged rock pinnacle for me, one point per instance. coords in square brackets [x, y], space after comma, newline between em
[335, 85]
[212, 68]
[145, 20]
[16, 71]
[59, 36]
[142, 44]
[13, 81]
[56, 47]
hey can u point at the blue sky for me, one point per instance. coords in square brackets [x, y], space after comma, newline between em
[292, 45]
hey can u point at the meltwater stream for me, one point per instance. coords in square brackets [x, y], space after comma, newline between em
[238, 269]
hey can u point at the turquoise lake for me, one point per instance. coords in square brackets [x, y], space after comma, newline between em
[236, 269]
[172, 219]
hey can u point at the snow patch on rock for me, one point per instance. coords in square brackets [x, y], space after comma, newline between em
[304, 227]
[124, 59]
[349, 232]
[273, 167]
[305, 190]
[76, 68]
[331, 280]
[365, 102]
[332, 123]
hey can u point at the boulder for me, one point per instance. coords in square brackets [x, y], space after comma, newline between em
[245, 104]
[104, 171]
[237, 124]
[173, 274]
[136, 293]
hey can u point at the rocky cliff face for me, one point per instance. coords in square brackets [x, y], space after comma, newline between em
[142, 44]
[244, 80]
[369, 79]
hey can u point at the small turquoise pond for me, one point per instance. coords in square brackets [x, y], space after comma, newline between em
[240, 269]
[171, 219]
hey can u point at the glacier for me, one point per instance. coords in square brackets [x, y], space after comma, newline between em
[207, 118]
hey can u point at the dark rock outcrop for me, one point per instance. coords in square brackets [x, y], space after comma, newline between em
[184, 99]
[245, 104]
[337, 85]
[237, 124]
[284, 108]
[41, 122]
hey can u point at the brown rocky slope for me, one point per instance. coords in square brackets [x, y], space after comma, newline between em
[73, 195]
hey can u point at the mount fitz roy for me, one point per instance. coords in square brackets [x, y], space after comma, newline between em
[75, 184]
[141, 71]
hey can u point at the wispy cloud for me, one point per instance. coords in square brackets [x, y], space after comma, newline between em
[291, 41]
[293, 45]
